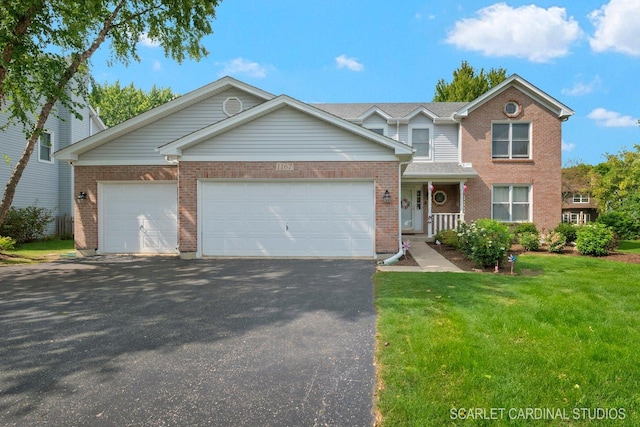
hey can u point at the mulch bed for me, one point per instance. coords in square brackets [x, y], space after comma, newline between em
[407, 261]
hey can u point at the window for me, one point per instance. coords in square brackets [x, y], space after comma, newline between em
[45, 147]
[580, 198]
[510, 141]
[377, 130]
[576, 217]
[420, 141]
[511, 203]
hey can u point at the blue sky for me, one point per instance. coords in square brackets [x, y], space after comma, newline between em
[584, 53]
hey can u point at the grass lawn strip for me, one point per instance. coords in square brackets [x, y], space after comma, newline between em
[29, 253]
[560, 341]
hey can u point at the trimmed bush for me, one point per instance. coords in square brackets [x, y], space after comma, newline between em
[529, 241]
[26, 224]
[484, 241]
[556, 242]
[623, 224]
[568, 230]
[447, 237]
[7, 243]
[594, 239]
[525, 227]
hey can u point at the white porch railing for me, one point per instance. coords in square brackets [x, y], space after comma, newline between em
[442, 221]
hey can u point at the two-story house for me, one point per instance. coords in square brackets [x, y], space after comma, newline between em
[230, 169]
[46, 182]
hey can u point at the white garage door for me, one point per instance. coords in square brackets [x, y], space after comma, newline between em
[138, 218]
[332, 219]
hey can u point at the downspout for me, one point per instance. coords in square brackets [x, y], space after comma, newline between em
[396, 257]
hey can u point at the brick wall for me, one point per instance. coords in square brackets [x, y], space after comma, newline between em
[86, 179]
[384, 174]
[542, 172]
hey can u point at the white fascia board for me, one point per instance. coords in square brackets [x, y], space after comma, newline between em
[525, 87]
[126, 162]
[421, 110]
[176, 147]
[371, 111]
[158, 113]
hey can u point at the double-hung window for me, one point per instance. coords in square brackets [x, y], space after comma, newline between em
[580, 198]
[45, 147]
[512, 203]
[511, 140]
[420, 142]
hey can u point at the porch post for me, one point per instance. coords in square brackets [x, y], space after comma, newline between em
[429, 214]
[461, 201]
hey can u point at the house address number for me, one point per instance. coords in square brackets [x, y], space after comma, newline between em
[284, 166]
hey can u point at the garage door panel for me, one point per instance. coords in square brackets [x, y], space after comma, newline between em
[138, 218]
[287, 218]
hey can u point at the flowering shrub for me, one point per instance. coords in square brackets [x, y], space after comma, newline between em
[484, 241]
[568, 230]
[556, 241]
[594, 239]
[529, 241]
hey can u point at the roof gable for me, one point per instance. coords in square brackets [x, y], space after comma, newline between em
[562, 111]
[149, 117]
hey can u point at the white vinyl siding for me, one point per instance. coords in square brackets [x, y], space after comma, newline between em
[140, 145]
[445, 143]
[377, 124]
[511, 203]
[288, 134]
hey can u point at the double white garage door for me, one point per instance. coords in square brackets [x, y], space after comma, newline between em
[245, 218]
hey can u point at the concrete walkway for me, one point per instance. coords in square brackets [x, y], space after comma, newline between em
[428, 259]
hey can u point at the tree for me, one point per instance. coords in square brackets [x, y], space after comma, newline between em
[467, 85]
[45, 46]
[617, 182]
[117, 103]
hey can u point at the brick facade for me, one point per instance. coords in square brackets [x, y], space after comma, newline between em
[542, 172]
[384, 174]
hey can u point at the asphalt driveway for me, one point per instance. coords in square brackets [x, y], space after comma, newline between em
[161, 341]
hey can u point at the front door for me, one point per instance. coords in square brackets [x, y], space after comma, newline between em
[410, 208]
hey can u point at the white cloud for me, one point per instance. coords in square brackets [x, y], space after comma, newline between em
[352, 64]
[617, 27]
[611, 119]
[580, 88]
[243, 66]
[568, 146]
[530, 32]
[157, 66]
[148, 42]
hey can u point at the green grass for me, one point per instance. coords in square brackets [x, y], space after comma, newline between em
[566, 336]
[35, 252]
[630, 246]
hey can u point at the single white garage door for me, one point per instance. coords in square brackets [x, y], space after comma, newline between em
[324, 218]
[138, 218]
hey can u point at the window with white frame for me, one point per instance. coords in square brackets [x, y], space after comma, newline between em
[377, 130]
[511, 203]
[576, 217]
[45, 147]
[511, 140]
[580, 198]
[420, 140]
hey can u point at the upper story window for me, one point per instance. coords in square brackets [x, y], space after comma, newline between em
[511, 203]
[377, 130]
[511, 140]
[420, 140]
[45, 147]
[580, 198]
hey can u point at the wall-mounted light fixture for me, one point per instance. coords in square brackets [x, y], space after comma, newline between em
[82, 196]
[387, 197]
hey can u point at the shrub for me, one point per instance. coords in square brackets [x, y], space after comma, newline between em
[568, 230]
[623, 224]
[525, 227]
[484, 241]
[447, 237]
[556, 241]
[7, 243]
[594, 239]
[26, 224]
[529, 241]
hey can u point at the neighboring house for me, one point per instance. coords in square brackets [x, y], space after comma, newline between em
[578, 207]
[46, 181]
[231, 170]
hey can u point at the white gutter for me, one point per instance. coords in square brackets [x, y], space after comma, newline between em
[396, 257]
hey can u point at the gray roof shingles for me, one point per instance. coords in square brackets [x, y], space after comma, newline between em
[395, 110]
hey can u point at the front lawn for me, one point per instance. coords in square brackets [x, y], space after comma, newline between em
[46, 250]
[556, 345]
[629, 246]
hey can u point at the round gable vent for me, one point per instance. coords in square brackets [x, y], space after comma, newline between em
[512, 109]
[231, 106]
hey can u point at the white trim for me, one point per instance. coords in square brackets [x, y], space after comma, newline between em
[51, 147]
[511, 186]
[430, 128]
[291, 157]
[510, 148]
[160, 161]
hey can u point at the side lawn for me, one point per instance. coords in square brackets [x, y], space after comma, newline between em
[46, 250]
[557, 345]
